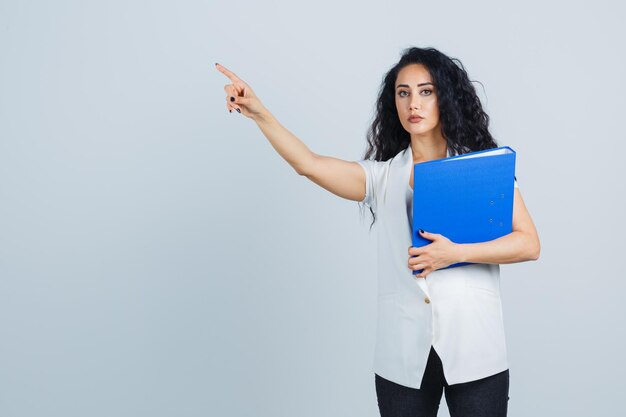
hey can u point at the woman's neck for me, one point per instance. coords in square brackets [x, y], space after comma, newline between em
[427, 150]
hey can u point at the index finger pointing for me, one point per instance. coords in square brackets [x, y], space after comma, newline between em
[227, 72]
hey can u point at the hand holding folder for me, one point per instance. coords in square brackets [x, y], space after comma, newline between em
[467, 198]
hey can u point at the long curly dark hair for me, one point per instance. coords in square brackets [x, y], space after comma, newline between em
[464, 123]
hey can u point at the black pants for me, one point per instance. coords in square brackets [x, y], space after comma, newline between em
[486, 397]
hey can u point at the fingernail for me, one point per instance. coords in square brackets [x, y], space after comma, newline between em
[421, 231]
[232, 98]
[216, 63]
[238, 111]
[230, 111]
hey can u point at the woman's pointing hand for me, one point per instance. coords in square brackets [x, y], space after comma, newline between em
[240, 97]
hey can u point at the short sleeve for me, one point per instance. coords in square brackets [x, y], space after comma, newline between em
[368, 167]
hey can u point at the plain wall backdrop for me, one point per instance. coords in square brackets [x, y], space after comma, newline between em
[159, 258]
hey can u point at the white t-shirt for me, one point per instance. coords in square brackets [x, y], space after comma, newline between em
[456, 310]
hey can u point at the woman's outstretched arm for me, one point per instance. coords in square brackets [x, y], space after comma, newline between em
[343, 178]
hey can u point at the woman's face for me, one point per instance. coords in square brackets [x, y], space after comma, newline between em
[416, 95]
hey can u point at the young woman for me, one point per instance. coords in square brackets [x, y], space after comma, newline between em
[443, 328]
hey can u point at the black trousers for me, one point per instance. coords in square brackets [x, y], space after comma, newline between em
[486, 397]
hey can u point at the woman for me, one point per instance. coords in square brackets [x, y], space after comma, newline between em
[442, 328]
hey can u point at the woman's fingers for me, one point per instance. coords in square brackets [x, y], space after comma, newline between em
[416, 265]
[231, 75]
[240, 96]
[237, 88]
[238, 84]
[241, 101]
[231, 95]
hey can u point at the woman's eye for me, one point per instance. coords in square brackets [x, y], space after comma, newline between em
[401, 93]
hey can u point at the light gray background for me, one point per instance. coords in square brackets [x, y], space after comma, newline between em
[159, 258]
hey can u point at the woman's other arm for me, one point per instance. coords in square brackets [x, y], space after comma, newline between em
[522, 244]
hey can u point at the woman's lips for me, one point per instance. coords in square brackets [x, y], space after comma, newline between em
[415, 119]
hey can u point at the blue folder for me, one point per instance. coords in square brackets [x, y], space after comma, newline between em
[467, 198]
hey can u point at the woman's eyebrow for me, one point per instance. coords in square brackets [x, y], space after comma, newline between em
[419, 85]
